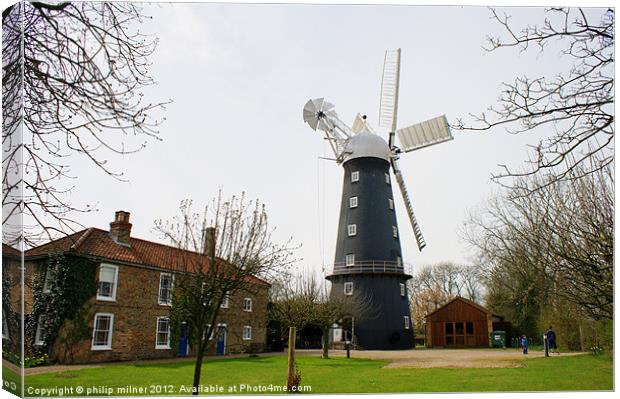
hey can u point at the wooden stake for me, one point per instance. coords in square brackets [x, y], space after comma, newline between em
[292, 332]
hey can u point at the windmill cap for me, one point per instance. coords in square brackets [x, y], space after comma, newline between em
[367, 144]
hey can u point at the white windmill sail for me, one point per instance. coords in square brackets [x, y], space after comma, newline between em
[424, 134]
[388, 105]
[417, 232]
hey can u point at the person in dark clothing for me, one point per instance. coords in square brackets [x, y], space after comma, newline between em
[551, 340]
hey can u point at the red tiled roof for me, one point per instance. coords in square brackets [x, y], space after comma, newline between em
[99, 244]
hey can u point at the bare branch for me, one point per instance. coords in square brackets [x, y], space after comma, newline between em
[575, 104]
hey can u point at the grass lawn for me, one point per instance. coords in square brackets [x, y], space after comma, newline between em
[337, 375]
[11, 381]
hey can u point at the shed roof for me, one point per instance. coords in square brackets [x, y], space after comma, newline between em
[466, 301]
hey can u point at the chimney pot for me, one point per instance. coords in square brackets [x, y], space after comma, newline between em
[120, 228]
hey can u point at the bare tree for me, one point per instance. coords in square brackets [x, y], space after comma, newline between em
[223, 250]
[73, 78]
[545, 239]
[576, 104]
[472, 280]
[436, 284]
[292, 306]
[309, 301]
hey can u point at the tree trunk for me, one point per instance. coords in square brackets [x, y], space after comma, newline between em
[326, 343]
[198, 367]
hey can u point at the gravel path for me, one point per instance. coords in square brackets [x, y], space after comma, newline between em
[450, 358]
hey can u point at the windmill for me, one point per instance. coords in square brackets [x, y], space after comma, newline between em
[368, 256]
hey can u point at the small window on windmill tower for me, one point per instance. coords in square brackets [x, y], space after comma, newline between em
[352, 229]
[353, 202]
[387, 178]
[355, 176]
[391, 203]
[348, 288]
[402, 289]
[406, 318]
[350, 260]
[395, 231]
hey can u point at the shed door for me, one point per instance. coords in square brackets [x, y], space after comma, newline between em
[460, 334]
[438, 334]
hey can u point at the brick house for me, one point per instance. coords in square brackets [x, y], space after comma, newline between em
[11, 298]
[128, 318]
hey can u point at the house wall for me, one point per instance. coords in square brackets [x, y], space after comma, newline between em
[458, 311]
[236, 318]
[11, 270]
[136, 310]
[11, 338]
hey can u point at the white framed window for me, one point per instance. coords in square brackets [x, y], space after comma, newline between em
[38, 335]
[399, 261]
[352, 230]
[108, 280]
[47, 281]
[247, 333]
[350, 260]
[225, 301]
[162, 335]
[402, 289]
[406, 318]
[391, 203]
[353, 202]
[387, 178]
[166, 283]
[247, 304]
[395, 231]
[355, 176]
[348, 288]
[102, 331]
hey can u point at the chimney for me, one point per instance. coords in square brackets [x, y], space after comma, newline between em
[120, 228]
[209, 248]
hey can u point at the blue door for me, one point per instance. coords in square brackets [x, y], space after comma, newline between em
[221, 340]
[183, 340]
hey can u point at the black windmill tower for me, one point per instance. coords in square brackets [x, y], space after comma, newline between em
[368, 259]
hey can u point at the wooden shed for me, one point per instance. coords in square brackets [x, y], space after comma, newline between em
[460, 323]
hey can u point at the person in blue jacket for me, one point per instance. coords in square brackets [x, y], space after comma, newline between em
[551, 338]
[524, 344]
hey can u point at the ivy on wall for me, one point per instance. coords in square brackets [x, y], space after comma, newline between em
[72, 281]
[10, 344]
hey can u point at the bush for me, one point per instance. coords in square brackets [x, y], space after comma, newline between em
[596, 350]
[29, 361]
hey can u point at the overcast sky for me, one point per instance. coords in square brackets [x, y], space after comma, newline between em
[239, 76]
